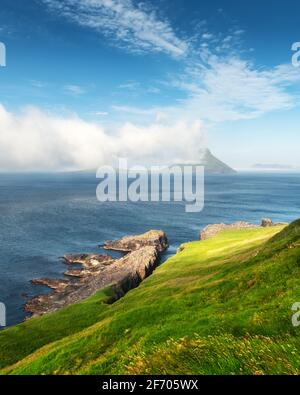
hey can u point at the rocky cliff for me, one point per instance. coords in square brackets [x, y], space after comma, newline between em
[99, 271]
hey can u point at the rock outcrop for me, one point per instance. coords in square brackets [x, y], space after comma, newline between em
[100, 271]
[88, 260]
[266, 222]
[154, 238]
[212, 230]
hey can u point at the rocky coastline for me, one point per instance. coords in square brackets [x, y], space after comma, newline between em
[99, 271]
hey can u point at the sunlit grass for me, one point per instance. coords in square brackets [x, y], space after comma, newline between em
[218, 306]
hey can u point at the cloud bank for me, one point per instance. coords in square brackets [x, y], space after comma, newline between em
[231, 90]
[36, 140]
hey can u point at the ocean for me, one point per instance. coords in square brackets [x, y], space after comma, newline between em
[44, 216]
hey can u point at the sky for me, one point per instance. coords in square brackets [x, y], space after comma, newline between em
[88, 81]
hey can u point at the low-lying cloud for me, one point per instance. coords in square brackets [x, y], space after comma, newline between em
[36, 140]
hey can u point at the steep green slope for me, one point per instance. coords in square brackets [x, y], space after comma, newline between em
[219, 306]
[21, 340]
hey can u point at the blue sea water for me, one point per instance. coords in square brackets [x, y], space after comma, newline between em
[44, 216]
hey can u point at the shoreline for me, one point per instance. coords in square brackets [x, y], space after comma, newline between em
[99, 271]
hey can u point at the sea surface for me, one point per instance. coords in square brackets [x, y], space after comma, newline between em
[44, 216]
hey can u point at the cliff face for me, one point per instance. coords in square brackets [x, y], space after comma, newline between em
[100, 271]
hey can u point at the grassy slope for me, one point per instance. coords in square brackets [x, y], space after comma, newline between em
[219, 306]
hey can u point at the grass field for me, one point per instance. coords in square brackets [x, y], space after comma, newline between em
[221, 306]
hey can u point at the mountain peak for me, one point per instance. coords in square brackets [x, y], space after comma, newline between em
[214, 165]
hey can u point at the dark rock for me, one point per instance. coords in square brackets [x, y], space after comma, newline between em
[266, 222]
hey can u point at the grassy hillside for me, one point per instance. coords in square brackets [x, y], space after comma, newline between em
[219, 306]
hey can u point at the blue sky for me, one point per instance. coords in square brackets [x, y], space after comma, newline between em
[156, 80]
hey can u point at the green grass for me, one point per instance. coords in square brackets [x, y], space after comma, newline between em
[21, 340]
[221, 306]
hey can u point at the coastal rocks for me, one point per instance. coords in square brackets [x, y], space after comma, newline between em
[88, 260]
[155, 238]
[101, 271]
[57, 285]
[266, 222]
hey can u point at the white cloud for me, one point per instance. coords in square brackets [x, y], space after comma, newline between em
[224, 89]
[74, 90]
[101, 113]
[230, 89]
[153, 89]
[130, 85]
[132, 27]
[218, 84]
[37, 84]
[36, 140]
[207, 36]
[162, 142]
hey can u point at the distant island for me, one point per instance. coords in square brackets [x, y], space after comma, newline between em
[212, 164]
[273, 166]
